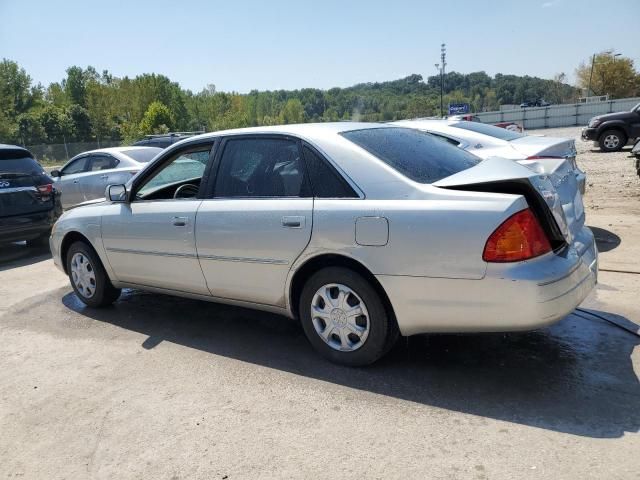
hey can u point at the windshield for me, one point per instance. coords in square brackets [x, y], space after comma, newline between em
[142, 155]
[489, 130]
[420, 156]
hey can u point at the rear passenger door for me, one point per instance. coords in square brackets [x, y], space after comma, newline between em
[100, 173]
[256, 220]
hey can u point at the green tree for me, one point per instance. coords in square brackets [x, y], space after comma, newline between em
[614, 76]
[157, 119]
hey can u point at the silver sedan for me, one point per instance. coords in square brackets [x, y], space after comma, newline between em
[86, 175]
[361, 231]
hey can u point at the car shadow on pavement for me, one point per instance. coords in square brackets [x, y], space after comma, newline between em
[15, 255]
[605, 239]
[575, 377]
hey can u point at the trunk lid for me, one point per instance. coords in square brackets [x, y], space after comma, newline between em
[533, 145]
[553, 195]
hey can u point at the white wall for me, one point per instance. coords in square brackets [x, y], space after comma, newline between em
[565, 115]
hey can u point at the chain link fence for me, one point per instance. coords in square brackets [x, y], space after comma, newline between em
[60, 153]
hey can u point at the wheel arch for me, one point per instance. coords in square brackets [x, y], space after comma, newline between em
[613, 125]
[318, 262]
[69, 239]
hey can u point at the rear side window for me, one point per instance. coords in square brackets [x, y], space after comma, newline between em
[418, 155]
[326, 182]
[102, 162]
[260, 167]
[489, 130]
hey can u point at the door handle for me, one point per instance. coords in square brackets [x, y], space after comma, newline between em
[293, 221]
[76, 181]
[104, 177]
[180, 221]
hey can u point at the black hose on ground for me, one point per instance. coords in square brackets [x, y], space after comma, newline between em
[602, 317]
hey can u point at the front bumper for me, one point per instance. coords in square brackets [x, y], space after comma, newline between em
[589, 134]
[521, 296]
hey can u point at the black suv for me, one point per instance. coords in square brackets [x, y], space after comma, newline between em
[163, 141]
[614, 130]
[29, 204]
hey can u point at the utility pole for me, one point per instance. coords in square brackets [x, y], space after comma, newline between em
[593, 62]
[443, 57]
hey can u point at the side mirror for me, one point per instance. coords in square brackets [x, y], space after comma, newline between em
[116, 193]
[55, 173]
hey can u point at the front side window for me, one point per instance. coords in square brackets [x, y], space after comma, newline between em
[260, 167]
[185, 168]
[76, 166]
[418, 155]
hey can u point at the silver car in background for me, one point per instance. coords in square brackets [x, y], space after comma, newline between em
[86, 175]
[485, 141]
[361, 231]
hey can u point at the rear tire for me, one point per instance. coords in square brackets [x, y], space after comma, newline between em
[88, 277]
[350, 324]
[612, 140]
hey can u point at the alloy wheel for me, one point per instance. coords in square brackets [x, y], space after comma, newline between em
[611, 141]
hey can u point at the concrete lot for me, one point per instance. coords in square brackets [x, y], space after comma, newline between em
[160, 387]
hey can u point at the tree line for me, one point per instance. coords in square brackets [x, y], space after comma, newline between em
[90, 106]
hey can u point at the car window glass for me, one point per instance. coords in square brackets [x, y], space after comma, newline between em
[260, 167]
[102, 162]
[326, 182]
[76, 166]
[184, 168]
[489, 130]
[418, 155]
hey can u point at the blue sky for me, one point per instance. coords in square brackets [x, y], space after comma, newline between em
[243, 45]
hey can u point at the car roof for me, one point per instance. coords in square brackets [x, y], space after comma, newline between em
[4, 146]
[119, 149]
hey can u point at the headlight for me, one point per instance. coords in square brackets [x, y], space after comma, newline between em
[594, 122]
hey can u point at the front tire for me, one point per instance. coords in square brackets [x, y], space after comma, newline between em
[612, 140]
[344, 317]
[88, 277]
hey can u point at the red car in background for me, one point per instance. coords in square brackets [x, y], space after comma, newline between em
[512, 126]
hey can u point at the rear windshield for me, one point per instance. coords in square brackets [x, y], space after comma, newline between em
[418, 155]
[489, 130]
[18, 161]
[143, 155]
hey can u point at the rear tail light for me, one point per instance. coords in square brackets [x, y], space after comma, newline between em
[520, 237]
[45, 189]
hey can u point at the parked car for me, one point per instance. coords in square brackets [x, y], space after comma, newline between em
[29, 205]
[537, 152]
[535, 103]
[164, 140]
[613, 131]
[511, 126]
[86, 176]
[362, 231]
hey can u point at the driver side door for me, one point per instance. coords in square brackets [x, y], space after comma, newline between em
[150, 240]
